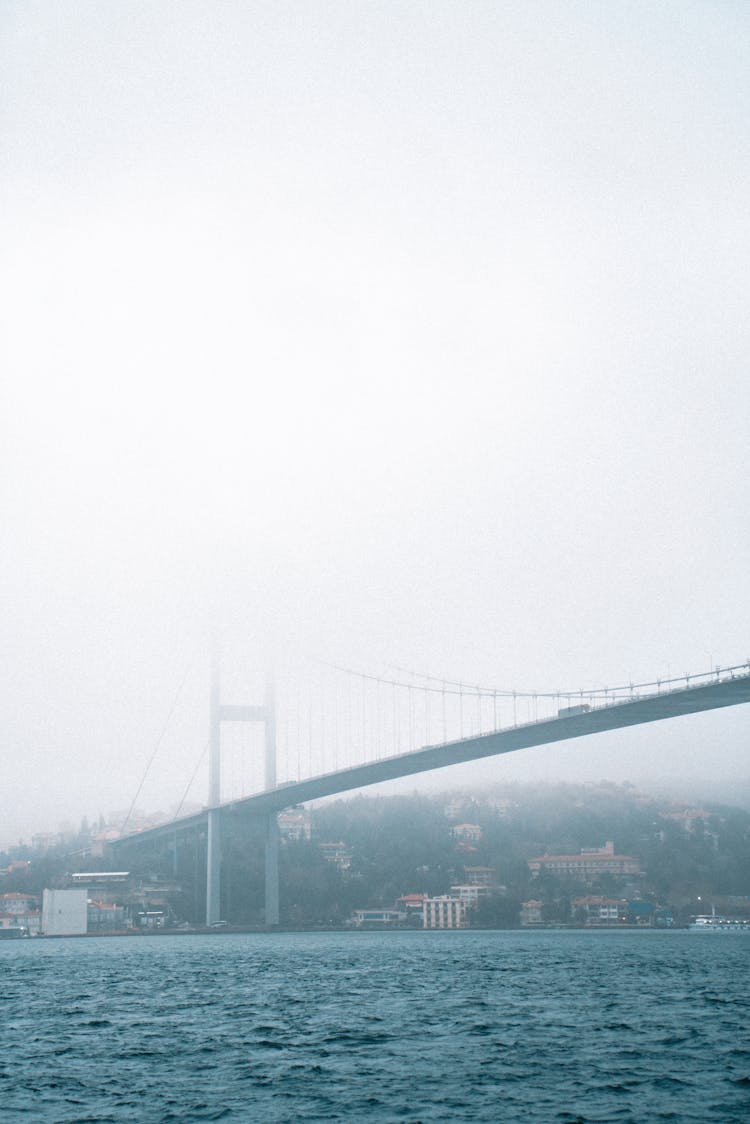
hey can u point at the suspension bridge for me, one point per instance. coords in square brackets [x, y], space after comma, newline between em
[346, 729]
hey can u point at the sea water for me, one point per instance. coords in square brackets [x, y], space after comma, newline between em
[412, 1026]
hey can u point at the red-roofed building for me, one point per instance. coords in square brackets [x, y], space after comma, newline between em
[410, 904]
[589, 864]
[467, 832]
[14, 902]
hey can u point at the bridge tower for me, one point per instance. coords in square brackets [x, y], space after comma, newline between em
[220, 712]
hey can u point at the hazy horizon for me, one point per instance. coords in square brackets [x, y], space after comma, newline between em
[417, 332]
[687, 791]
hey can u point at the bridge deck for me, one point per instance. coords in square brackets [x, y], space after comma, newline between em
[635, 712]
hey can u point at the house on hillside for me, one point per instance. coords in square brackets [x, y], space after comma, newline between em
[480, 875]
[337, 853]
[591, 863]
[467, 833]
[471, 895]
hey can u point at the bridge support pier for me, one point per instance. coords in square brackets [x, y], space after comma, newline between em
[272, 871]
[213, 868]
[228, 713]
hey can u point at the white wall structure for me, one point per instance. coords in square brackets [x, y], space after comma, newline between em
[64, 913]
[444, 913]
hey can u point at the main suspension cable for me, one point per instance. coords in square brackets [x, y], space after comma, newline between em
[159, 740]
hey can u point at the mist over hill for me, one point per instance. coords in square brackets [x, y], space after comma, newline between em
[564, 847]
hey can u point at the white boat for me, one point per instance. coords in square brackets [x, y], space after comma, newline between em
[716, 924]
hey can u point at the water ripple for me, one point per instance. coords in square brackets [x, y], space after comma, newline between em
[416, 1027]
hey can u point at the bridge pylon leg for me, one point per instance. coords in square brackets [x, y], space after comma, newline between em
[219, 713]
[272, 871]
[213, 868]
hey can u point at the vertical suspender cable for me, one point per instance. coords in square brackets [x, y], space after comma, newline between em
[321, 767]
[309, 734]
[427, 730]
[364, 719]
[397, 704]
[377, 719]
[335, 724]
[298, 733]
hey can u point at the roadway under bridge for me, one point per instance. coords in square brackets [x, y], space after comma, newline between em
[263, 807]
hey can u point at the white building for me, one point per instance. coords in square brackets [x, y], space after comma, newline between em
[363, 917]
[467, 832]
[591, 863]
[337, 853]
[295, 823]
[444, 913]
[472, 895]
[597, 910]
[13, 902]
[480, 875]
[64, 913]
[531, 912]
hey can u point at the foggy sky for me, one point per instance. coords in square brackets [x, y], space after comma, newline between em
[419, 330]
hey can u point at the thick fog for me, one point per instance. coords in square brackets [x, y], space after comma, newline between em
[413, 334]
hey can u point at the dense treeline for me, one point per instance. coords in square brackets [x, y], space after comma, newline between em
[390, 846]
[405, 845]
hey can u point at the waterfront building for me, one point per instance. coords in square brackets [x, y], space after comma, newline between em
[410, 904]
[104, 879]
[444, 913]
[641, 912]
[531, 912]
[30, 921]
[64, 913]
[363, 918]
[151, 918]
[102, 917]
[596, 910]
[14, 902]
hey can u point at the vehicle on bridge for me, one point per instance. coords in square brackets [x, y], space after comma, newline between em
[569, 711]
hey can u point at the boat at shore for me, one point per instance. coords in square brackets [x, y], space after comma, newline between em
[715, 924]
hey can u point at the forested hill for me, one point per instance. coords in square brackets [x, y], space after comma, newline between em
[677, 859]
[391, 846]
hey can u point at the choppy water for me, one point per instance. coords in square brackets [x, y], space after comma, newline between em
[377, 1026]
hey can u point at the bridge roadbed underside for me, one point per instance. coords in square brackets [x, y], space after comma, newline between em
[635, 712]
